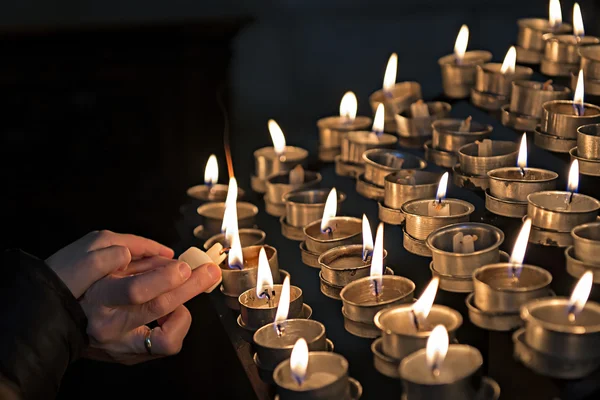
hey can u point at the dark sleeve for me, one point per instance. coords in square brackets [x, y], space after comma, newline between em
[43, 327]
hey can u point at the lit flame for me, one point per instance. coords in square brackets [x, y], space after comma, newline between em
[329, 211]
[299, 360]
[367, 238]
[264, 279]
[235, 258]
[348, 107]
[422, 307]
[230, 222]
[580, 294]
[377, 261]
[573, 184]
[555, 13]
[389, 79]
[462, 40]
[379, 119]
[283, 308]
[211, 172]
[577, 21]
[578, 96]
[437, 348]
[510, 60]
[522, 158]
[442, 188]
[518, 254]
[277, 137]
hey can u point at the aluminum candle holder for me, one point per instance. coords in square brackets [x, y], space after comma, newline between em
[456, 267]
[492, 88]
[206, 193]
[248, 237]
[346, 231]
[561, 53]
[583, 255]
[354, 144]
[344, 264]
[508, 189]
[590, 62]
[525, 108]
[279, 184]
[333, 129]
[302, 208]
[576, 268]
[360, 304]
[458, 79]
[445, 159]
[268, 162]
[550, 210]
[333, 291]
[448, 137]
[404, 186]
[499, 294]
[530, 40]
[410, 126]
[396, 101]
[471, 171]
[257, 312]
[587, 151]
[558, 129]
[212, 217]
[418, 224]
[592, 86]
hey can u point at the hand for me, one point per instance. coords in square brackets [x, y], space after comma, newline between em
[119, 306]
[98, 254]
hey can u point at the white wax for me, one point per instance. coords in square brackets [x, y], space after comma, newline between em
[438, 209]
[194, 257]
[317, 380]
[419, 109]
[485, 148]
[463, 243]
[465, 126]
[297, 175]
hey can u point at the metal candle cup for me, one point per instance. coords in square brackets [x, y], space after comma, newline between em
[326, 378]
[561, 53]
[397, 100]
[532, 31]
[306, 206]
[237, 281]
[205, 193]
[586, 243]
[355, 143]
[273, 348]
[498, 290]
[419, 224]
[248, 237]
[559, 119]
[404, 186]
[547, 210]
[448, 262]
[344, 264]
[333, 129]
[576, 268]
[333, 291]
[279, 184]
[410, 126]
[458, 79]
[268, 162]
[590, 61]
[212, 216]
[257, 312]
[509, 184]
[459, 377]
[345, 231]
[493, 88]
[399, 335]
[588, 141]
[504, 154]
[447, 137]
[379, 163]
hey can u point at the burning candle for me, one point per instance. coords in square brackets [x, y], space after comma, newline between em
[211, 190]
[415, 122]
[333, 129]
[278, 185]
[194, 257]
[365, 297]
[459, 69]
[510, 186]
[442, 371]
[275, 159]
[438, 207]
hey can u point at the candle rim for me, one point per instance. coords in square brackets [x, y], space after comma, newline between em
[526, 23]
[449, 59]
[434, 113]
[337, 217]
[527, 315]
[457, 226]
[271, 327]
[470, 208]
[369, 279]
[332, 121]
[506, 143]
[309, 177]
[221, 204]
[530, 84]
[353, 248]
[297, 153]
[285, 366]
[287, 197]
[547, 108]
[532, 196]
[457, 320]
[406, 87]
[484, 128]
[399, 153]
[507, 265]
[520, 70]
[491, 174]
[575, 231]
[294, 291]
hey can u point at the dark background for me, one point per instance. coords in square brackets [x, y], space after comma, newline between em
[109, 111]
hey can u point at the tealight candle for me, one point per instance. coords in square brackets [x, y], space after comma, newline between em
[275, 159]
[582, 256]
[211, 190]
[510, 186]
[280, 184]
[476, 159]
[590, 62]
[333, 129]
[458, 69]
[415, 122]
[248, 237]
[451, 134]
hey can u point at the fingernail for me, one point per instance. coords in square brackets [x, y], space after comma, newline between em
[214, 272]
[185, 271]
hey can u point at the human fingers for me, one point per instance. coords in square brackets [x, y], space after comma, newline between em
[167, 338]
[144, 265]
[138, 246]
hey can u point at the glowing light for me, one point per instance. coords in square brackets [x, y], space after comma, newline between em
[422, 307]
[573, 184]
[283, 308]
[578, 29]
[230, 222]
[580, 294]
[555, 14]
[518, 254]
[379, 119]
[348, 107]
[329, 211]
[510, 61]
[367, 237]
[460, 46]
[299, 360]
[522, 158]
[377, 261]
[211, 172]
[578, 96]
[277, 137]
[442, 188]
[437, 348]
[235, 259]
[264, 279]
[389, 79]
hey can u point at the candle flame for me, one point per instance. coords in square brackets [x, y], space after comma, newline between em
[235, 258]
[555, 14]
[348, 107]
[578, 29]
[299, 360]
[580, 294]
[367, 238]
[277, 137]
[379, 119]
[522, 158]
[283, 308]
[460, 46]
[578, 96]
[573, 184]
[230, 222]
[377, 261]
[510, 61]
[422, 307]
[518, 254]
[264, 279]
[211, 172]
[389, 79]
[442, 188]
[437, 348]
[330, 211]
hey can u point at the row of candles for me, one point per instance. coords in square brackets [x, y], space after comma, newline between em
[293, 350]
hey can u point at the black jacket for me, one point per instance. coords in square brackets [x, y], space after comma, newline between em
[43, 328]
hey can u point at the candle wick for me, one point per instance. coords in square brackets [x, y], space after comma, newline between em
[415, 320]
[224, 250]
[435, 371]
[376, 289]
[280, 330]
[367, 255]
[579, 109]
[522, 172]
[569, 199]
[388, 94]
[235, 266]
[297, 379]
[571, 316]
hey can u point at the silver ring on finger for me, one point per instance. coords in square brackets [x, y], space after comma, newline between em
[148, 341]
